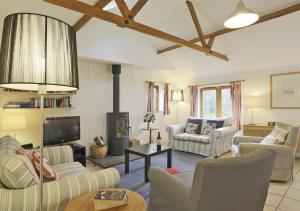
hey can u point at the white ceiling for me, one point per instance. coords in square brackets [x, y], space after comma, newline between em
[267, 45]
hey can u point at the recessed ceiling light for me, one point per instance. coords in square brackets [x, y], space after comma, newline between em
[241, 17]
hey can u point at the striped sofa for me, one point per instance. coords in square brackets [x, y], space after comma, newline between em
[214, 145]
[74, 179]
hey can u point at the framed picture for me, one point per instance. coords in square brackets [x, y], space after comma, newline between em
[121, 128]
[285, 91]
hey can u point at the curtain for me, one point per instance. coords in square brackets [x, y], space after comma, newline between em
[194, 100]
[236, 101]
[166, 100]
[150, 103]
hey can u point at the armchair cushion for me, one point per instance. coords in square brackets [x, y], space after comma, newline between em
[192, 137]
[277, 136]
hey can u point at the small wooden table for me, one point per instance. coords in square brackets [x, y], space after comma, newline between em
[85, 202]
[147, 151]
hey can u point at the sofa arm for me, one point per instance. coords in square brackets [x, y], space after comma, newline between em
[246, 139]
[225, 131]
[281, 150]
[174, 130]
[58, 154]
[167, 192]
[57, 194]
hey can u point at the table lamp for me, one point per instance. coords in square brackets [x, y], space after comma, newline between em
[253, 102]
[38, 53]
[177, 95]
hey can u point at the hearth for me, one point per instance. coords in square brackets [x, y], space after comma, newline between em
[117, 123]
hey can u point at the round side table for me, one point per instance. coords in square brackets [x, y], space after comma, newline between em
[85, 202]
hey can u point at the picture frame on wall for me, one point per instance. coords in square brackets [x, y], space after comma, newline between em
[285, 91]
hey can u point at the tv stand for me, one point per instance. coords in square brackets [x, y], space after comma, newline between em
[79, 153]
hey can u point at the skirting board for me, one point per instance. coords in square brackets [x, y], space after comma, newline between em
[297, 154]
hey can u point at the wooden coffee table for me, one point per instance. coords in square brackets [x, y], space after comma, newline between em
[147, 151]
[85, 202]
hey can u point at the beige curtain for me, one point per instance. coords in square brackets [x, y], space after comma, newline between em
[236, 99]
[150, 103]
[166, 100]
[194, 92]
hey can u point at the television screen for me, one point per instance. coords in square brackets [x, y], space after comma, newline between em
[58, 130]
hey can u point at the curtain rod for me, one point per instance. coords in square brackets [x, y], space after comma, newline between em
[217, 83]
[159, 82]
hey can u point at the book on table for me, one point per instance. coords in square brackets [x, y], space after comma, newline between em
[109, 199]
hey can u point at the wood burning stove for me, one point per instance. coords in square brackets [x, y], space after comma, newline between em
[117, 123]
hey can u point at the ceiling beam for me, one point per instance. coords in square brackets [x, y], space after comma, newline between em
[131, 24]
[262, 19]
[137, 7]
[210, 42]
[123, 8]
[84, 19]
[196, 22]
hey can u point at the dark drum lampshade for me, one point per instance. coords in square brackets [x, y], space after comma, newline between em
[38, 50]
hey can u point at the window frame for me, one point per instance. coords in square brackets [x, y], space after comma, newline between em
[218, 99]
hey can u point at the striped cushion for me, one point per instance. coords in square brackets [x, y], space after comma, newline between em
[67, 169]
[17, 171]
[192, 137]
[277, 136]
[8, 145]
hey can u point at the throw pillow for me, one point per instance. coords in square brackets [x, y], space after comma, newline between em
[173, 170]
[191, 128]
[208, 128]
[48, 172]
[219, 123]
[17, 172]
[277, 136]
[195, 121]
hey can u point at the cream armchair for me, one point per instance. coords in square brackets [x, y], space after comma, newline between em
[285, 154]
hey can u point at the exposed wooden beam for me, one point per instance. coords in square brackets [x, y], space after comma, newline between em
[196, 22]
[262, 19]
[123, 8]
[84, 19]
[137, 7]
[210, 42]
[131, 24]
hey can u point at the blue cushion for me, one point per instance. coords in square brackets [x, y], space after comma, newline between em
[196, 121]
[219, 123]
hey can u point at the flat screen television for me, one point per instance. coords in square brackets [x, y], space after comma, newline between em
[59, 130]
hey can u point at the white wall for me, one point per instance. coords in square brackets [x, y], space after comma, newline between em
[256, 83]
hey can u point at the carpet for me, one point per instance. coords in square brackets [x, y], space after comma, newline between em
[109, 161]
[135, 179]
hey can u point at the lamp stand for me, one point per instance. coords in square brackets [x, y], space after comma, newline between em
[177, 112]
[252, 116]
[41, 92]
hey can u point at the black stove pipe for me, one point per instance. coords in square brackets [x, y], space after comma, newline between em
[116, 71]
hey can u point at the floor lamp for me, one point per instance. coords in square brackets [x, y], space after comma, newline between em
[177, 95]
[38, 53]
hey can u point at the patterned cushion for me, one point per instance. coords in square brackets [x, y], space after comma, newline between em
[208, 128]
[194, 121]
[277, 136]
[218, 123]
[17, 171]
[193, 137]
[191, 128]
[48, 171]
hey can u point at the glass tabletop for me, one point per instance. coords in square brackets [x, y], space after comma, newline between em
[147, 149]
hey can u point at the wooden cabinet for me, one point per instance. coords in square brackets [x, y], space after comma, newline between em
[257, 130]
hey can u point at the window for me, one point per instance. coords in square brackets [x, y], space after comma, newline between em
[158, 98]
[216, 102]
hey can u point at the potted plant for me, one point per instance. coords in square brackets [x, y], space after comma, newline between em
[149, 118]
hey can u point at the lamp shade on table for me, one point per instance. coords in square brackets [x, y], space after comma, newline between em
[38, 50]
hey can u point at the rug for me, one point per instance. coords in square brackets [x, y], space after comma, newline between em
[135, 179]
[110, 161]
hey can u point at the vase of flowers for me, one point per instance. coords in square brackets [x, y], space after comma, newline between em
[149, 118]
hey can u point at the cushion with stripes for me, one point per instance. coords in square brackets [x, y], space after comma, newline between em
[48, 171]
[17, 172]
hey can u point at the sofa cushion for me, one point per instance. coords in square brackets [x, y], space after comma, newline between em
[195, 121]
[17, 171]
[192, 137]
[191, 128]
[218, 123]
[208, 128]
[67, 169]
[277, 136]
[8, 145]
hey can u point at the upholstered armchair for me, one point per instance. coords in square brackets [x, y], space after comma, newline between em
[217, 184]
[285, 154]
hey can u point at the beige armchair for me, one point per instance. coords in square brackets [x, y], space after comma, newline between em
[285, 154]
[217, 184]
